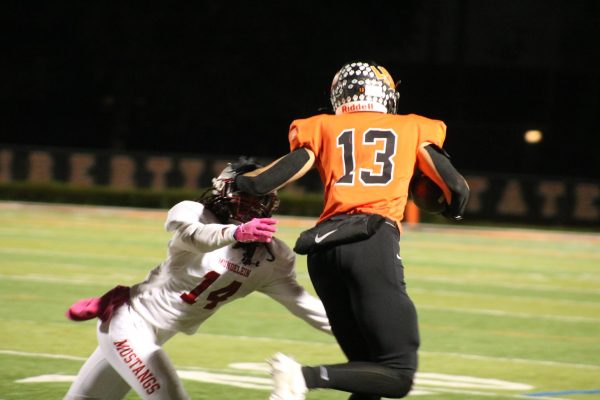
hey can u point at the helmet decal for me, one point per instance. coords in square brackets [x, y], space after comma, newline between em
[382, 73]
[363, 86]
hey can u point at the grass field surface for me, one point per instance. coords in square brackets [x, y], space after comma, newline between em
[504, 313]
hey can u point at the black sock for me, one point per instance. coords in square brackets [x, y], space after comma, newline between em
[360, 378]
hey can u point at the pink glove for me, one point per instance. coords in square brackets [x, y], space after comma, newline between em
[256, 230]
[101, 307]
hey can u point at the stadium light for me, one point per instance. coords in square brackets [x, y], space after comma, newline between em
[533, 136]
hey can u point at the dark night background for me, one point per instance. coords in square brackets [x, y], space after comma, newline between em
[220, 78]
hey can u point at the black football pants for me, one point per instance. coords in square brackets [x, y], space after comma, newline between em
[362, 287]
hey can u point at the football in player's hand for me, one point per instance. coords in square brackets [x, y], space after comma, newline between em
[426, 194]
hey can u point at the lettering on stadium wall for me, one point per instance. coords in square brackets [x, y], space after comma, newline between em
[534, 199]
[506, 198]
[119, 170]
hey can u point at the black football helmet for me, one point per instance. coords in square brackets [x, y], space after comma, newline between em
[228, 203]
[363, 86]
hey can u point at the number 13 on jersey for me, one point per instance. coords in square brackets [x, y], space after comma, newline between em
[380, 169]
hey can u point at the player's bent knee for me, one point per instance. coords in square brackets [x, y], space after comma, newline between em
[401, 388]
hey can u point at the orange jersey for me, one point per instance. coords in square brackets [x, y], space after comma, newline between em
[365, 159]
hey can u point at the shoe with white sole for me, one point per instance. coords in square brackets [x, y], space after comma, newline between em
[288, 380]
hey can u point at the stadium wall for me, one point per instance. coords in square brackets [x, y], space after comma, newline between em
[554, 201]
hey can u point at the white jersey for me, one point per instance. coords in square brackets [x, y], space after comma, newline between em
[204, 271]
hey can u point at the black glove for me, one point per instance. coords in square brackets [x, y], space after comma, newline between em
[455, 210]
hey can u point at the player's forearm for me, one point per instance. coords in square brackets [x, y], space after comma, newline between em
[436, 164]
[205, 237]
[183, 220]
[313, 312]
[300, 303]
[277, 174]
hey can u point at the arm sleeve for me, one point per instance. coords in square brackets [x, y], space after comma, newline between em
[184, 219]
[452, 179]
[275, 175]
[304, 134]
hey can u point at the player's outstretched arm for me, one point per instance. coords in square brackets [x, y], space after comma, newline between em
[299, 302]
[277, 174]
[435, 163]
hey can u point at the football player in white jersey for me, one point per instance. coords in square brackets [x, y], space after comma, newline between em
[222, 249]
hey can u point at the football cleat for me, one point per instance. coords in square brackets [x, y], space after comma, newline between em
[288, 381]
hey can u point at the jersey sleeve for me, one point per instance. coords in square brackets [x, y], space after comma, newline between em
[306, 133]
[433, 131]
[192, 232]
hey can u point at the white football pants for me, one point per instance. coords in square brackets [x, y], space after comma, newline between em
[129, 355]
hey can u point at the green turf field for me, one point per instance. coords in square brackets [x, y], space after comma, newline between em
[504, 313]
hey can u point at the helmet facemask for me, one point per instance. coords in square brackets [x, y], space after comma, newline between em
[229, 204]
[363, 86]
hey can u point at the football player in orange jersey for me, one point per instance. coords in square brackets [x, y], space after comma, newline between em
[366, 155]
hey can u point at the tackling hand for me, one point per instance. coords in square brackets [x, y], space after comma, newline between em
[256, 230]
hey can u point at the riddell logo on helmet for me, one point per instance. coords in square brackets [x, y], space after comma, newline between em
[357, 107]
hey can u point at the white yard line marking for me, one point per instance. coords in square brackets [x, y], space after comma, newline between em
[426, 382]
[70, 254]
[41, 355]
[493, 394]
[260, 383]
[462, 381]
[494, 296]
[48, 278]
[267, 339]
[540, 287]
[499, 313]
[557, 364]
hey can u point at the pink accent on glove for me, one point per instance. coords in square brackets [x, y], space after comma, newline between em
[256, 230]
